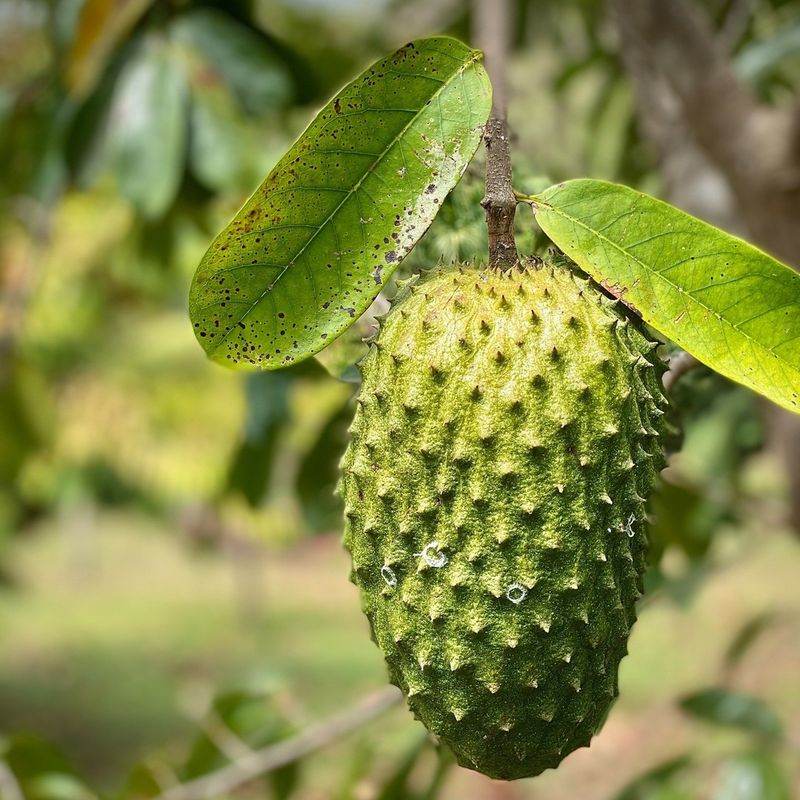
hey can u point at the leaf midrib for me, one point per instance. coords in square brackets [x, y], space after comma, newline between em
[660, 276]
[476, 56]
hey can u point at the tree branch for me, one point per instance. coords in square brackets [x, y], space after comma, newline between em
[260, 762]
[679, 365]
[754, 146]
[492, 33]
[9, 786]
[681, 46]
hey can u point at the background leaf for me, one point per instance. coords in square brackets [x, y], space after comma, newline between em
[311, 248]
[103, 24]
[655, 782]
[725, 707]
[243, 719]
[43, 773]
[723, 300]
[319, 470]
[746, 637]
[149, 119]
[239, 56]
[267, 412]
[755, 776]
[219, 141]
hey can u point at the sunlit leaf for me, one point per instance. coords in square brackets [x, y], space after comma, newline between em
[341, 356]
[312, 247]
[725, 707]
[19, 402]
[729, 304]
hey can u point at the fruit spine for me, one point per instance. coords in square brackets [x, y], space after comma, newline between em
[505, 441]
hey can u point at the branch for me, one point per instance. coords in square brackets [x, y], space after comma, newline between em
[9, 785]
[754, 146]
[492, 32]
[679, 44]
[260, 762]
[679, 365]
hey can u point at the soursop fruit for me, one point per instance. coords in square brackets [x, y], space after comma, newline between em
[505, 441]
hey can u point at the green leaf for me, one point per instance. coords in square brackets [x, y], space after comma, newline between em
[220, 142]
[725, 707]
[396, 785]
[759, 58]
[356, 771]
[755, 776]
[241, 57]
[58, 786]
[142, 782]
[102, 27]
[655, 782]
[28, 756]
[42, 771]
[250, 472]
[445, 761]
[319, 471]
[727, 303]
[685, 519]
[312, 247]
[147, 139]
[255, 720]
[747, 636]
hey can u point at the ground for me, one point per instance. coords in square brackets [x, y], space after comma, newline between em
[119, 631]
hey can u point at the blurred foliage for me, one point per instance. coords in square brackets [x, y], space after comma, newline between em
[130, 132]
[237, 722]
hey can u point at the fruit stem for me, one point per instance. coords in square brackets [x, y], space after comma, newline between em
[492, 32]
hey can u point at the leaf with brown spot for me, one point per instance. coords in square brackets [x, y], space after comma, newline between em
[313, 246]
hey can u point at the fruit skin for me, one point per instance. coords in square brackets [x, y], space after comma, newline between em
[505, 441]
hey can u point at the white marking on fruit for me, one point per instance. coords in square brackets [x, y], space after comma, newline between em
[390, 579]
[432, 555]
[516, 593]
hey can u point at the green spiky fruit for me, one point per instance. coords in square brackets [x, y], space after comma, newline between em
[505, 441]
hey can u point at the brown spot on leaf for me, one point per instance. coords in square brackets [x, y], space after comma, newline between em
[618, 292]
